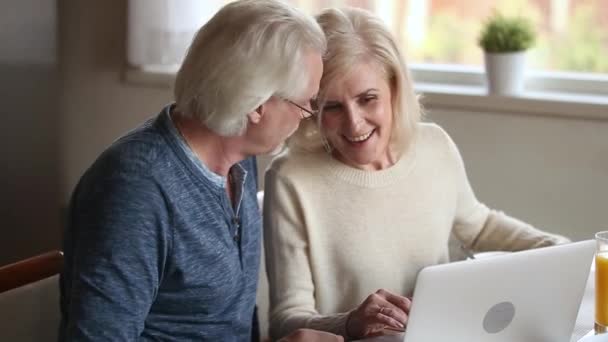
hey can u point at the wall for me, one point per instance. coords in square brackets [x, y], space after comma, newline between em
[63, 101]
[58, 118]
[30, 129]
[97, 105]
[551, 172]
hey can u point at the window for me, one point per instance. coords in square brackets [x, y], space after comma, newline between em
[160, 31]
[572, 34]
[439, 37]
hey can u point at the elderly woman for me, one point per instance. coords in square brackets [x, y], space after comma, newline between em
[367, 195]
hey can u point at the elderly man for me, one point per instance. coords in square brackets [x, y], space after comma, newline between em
[163, 234]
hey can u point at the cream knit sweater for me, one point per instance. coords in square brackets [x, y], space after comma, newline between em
[335, 234]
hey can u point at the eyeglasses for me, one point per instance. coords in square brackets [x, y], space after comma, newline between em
[306, 113]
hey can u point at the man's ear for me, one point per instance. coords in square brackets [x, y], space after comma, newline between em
[256, 116]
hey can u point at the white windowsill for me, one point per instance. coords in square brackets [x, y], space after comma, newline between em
[154, 79]
[460, 97]
[476, 99]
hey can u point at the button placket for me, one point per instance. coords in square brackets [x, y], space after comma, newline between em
[237, 229]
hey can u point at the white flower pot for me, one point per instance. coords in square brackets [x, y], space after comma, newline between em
[505, 72]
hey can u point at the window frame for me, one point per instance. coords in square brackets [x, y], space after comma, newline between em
[537, 81]
[462, 88]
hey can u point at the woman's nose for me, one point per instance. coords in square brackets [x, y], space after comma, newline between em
[354, 116]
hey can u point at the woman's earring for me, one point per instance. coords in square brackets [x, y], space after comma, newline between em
[326, 145]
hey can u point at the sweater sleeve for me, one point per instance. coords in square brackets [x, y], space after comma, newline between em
[483, 229]
[292, 300]
[120, 241]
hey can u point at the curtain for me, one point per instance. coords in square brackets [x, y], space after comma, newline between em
[160, 31]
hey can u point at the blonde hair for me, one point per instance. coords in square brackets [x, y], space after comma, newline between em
[249, 51]
[357, 36]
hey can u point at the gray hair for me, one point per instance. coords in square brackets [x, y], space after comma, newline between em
[356, 36]
[249, 51]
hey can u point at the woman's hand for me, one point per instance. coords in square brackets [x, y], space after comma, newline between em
[379, 311]
[308, 335]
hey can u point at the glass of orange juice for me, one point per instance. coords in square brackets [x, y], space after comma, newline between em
[601, 283]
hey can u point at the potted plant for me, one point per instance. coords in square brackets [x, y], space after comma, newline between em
[504, 41]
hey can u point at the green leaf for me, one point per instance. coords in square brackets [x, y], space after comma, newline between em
[506, 34]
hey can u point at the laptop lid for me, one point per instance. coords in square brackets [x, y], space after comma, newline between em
[528, 296]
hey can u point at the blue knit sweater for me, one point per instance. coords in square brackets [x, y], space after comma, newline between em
[154, 250]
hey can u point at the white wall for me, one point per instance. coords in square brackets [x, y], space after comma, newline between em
[551, 172]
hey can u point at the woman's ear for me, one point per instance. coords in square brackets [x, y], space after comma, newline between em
[256, 116]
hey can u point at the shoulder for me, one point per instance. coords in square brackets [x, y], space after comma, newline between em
[295, 164]
[133, 161]
[138, 153]
[433, 138]
[432, 133]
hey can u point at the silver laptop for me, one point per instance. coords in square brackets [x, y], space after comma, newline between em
[530, 296]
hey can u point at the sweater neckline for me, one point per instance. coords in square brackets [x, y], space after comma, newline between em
[172, 137]
[373, 179]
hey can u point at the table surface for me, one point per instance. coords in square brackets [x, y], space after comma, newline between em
[583, 325]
